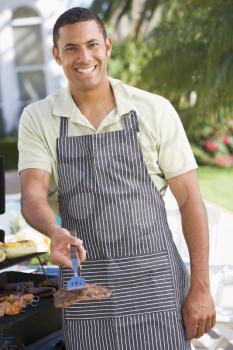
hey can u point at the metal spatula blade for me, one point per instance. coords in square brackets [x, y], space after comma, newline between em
[76, 282]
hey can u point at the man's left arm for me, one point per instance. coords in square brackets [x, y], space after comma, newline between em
[198, 309]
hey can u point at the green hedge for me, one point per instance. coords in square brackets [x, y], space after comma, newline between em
[202, 157]
[9, 150]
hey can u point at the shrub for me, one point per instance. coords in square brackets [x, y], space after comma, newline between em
[215, 147]
[9, 150]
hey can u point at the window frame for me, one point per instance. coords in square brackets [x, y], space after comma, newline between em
[27, 68]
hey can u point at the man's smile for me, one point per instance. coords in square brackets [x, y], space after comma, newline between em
[86, 70]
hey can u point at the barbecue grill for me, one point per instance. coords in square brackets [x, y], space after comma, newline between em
[39, 327]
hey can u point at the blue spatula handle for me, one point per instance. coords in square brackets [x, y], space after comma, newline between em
[74, 258]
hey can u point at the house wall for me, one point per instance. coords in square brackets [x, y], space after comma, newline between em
[11, 103]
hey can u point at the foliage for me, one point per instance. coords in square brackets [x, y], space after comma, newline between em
[202, 157]
[217, 145]
[137, 12]
[193, 51]
[128, 61]
[2, 124]
[8, 149]
[187, 56]
[44, 260]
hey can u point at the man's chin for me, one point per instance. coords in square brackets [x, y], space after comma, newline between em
[88, 86]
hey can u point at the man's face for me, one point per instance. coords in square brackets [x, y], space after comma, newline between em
[83, 54]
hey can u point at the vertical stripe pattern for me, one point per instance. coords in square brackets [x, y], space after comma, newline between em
[108, 197]
[140, 284]
[155, 331]
[104, 186]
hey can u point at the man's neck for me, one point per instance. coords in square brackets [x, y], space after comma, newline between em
[95, 104]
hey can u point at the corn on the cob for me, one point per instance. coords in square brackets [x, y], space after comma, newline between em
[18, 249]
[2, 252]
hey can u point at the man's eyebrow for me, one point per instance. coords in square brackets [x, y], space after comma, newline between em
[87, 42]
[70, 44]
[91, 40]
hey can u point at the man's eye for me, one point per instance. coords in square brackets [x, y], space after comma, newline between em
[70, 49]
[93, 45]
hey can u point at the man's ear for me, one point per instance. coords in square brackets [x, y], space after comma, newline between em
[108, 43]
[56, 55]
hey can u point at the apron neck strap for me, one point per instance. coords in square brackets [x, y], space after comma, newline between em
[131, 121]
[64, 127]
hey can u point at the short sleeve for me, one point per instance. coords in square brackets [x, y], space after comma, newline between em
[175, 154]
[33, 152]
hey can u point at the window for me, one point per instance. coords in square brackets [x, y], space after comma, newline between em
[29, 60]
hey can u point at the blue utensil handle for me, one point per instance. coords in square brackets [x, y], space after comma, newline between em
[74, 258]
[73, 251]
[75, 266]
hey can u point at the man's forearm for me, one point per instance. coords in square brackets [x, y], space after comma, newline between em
[38, 214]
[198, 310]
[195, 229]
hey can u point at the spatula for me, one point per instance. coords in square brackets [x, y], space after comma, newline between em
[76, 282]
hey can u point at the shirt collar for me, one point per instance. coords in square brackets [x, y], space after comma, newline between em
[123, 97]
[64, 105]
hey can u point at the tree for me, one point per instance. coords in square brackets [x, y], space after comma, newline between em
[137, 13]
[187, 55]
[193, 52]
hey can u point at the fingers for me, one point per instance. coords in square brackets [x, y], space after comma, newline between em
[208, 325]
[204, 326]
[60, 247]
[191, 330]
[70, 238]
[61, 260]
[198, 313]
[81, 253]
[200, 329]
[190, 334]
[213, 320]
[79, 243]
[196, 329]
[75, 241]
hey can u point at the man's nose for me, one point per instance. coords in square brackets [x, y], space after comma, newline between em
[84, 55]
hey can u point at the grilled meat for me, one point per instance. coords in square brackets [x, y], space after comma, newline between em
[19, 286]
[64, 298]
[42, 292]
[14, 303]
[51, 282]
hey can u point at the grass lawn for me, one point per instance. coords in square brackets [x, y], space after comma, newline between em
[217, 185]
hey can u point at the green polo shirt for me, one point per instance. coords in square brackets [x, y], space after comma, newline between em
[165, 147]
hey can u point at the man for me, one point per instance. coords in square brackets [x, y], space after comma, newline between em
[110, 150]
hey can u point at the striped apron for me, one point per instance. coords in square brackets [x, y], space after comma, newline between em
[108, 197]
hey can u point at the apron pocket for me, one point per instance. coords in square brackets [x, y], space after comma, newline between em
[144, 285]
[139, 284]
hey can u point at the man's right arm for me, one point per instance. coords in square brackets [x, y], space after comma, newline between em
[38, 214]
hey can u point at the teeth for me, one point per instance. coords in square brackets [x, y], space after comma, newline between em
[85, 70]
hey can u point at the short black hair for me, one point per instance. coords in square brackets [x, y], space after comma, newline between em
[74, 15]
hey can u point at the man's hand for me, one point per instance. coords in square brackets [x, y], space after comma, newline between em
[198, 313]
[61, 239]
